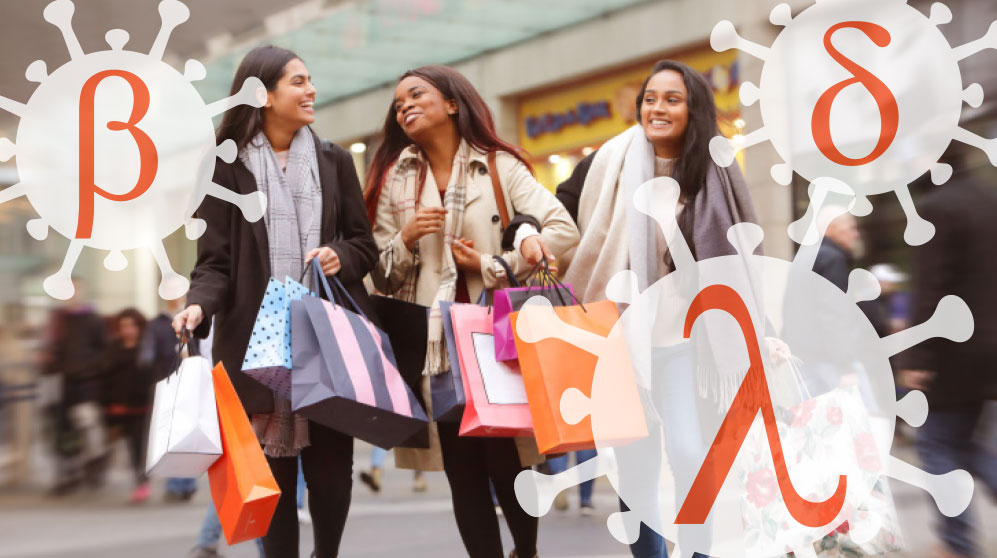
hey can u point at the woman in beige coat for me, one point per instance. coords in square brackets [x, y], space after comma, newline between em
[438, 227]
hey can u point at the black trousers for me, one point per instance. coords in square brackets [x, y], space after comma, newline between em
[328, 468]
[470, 463]
[135, 429]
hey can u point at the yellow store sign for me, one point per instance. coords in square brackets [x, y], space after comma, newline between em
[589, 113]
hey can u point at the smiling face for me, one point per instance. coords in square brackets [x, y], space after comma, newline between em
[292, 101]
[420, 108]
[664, 113]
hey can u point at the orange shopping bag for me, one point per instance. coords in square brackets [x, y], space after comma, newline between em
[242, 486]
[551, 366]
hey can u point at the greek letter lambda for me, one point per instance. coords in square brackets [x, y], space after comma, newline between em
[149, 158]
[752, 397]
[889, 113]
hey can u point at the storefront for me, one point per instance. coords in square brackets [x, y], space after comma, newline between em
[560, 125]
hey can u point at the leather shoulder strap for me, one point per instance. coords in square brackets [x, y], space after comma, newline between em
[497, 186]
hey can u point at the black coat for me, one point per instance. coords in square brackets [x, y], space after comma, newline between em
[158, 350]
[960, 260]
[233, 262]
[128, 383]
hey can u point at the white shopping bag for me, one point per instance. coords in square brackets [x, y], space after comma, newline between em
[184, 439]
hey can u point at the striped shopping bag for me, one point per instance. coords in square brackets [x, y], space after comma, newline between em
[345, 375]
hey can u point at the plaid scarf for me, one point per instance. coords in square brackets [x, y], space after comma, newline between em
[405, 186]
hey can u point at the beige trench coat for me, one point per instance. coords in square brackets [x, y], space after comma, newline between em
[482, 224]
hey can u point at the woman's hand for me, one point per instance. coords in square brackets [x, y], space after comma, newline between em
[327, 257]
[188, 319]
[427, 220]
[466, 257]
[533, 249]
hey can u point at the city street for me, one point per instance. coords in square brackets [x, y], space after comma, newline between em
[396, 522]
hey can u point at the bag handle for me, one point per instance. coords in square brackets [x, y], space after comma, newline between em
[319, 279]
[548, 281]
[508, 271]
[335, 288]
[185, 336]
[497, 187]
[559, 286]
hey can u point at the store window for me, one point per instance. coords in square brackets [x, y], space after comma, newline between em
[562, 124]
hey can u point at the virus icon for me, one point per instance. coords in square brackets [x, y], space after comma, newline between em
[868, 93]
[116, 149]
[768, 395]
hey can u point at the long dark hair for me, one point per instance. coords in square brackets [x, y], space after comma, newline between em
[473, 121]
[694, 162]
[241, 123]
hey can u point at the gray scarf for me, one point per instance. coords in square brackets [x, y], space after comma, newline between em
[294, 225]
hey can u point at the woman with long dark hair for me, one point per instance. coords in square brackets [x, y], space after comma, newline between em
[437, 222]
[129, 393]
[314, 210]
[677, 119]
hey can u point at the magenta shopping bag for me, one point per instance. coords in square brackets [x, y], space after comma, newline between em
[512, 299]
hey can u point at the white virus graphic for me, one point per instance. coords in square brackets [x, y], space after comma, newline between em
[116, 149]
[869, 93]
[824, 409]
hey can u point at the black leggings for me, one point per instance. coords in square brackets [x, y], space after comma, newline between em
[135, 429]
[470, 463]
[328, 468]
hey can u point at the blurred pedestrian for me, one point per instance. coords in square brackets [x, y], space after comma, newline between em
[894, 300]
[314, 211]
[129, 386]
[77, 339]
[372, 476]
[211, 535]
[958, 378]
[809, 333]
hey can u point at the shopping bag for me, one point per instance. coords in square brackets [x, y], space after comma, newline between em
[184, 439]
[832, 427]
[552, 366]
[495, 398]
[268, 357]
[406, 325]
[541, 282]
[243, 488]
[447, 388]
[345, 375]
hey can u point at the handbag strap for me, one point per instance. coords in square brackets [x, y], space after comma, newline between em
[497, 187]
